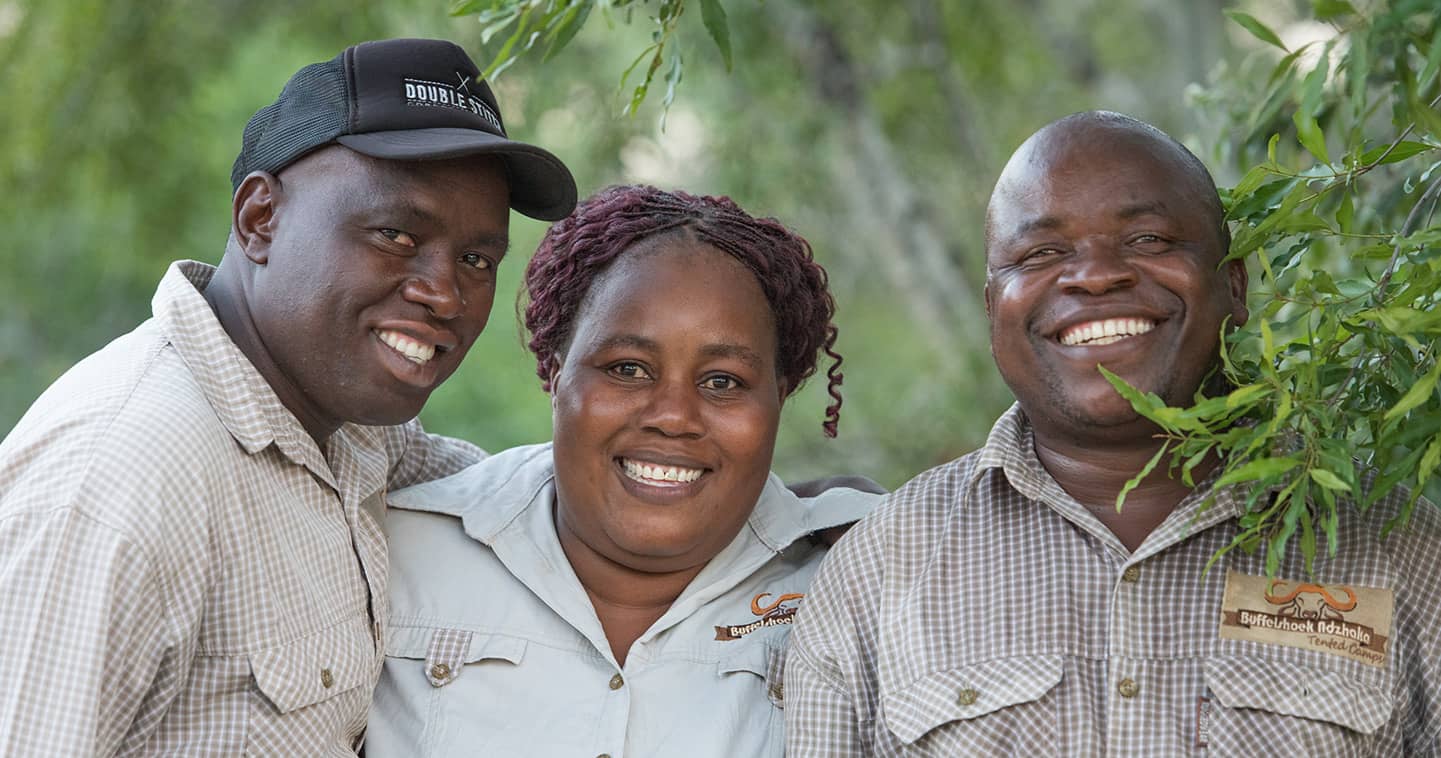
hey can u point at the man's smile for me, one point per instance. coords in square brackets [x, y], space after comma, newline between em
[413, 350]
[1105, 331]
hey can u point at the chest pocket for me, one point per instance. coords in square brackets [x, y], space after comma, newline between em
[760, 660]
[316, 667]
[998, 707]
[444, 653]
[1268, 707]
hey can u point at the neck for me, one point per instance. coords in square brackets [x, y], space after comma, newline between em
[1094, 474]
[626, 600]
[227, 295]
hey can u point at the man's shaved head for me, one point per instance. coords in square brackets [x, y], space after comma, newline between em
[1094, 130]
[1104, 246]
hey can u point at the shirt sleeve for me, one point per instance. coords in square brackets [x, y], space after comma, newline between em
[421, 457]
[83, 637]
[828, 670]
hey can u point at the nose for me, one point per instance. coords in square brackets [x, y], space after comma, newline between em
[433, 283]
[673, 410]
[1097, 267]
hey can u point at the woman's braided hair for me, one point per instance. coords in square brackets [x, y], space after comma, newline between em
[607, 224]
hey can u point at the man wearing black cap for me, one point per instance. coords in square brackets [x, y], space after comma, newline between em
[191, 552]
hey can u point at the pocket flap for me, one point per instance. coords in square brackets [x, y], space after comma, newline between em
[1301, 691]
[764, 661]
[446, 650]
[316, 667]
[966, 692]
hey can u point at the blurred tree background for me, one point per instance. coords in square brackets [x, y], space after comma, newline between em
[876, 129]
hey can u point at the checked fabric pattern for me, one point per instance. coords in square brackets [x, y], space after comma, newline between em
[983, 611]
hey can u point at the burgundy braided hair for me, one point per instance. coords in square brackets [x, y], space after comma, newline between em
[607, 224]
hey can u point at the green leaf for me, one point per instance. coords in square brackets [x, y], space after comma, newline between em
[714, 16]
[1429, 460]
[1138, 478]
[1246, 395]
[1259, 469]
[1327, 10]
[568, 26]
[1145, 403]
[1346, 213]
[1256, 28]
[1308, 539]
[1249, 183]
[1311, 87]
[672, 79]
[1433, 59]
[1419, 393]
[1329, 480]
[1311, 136]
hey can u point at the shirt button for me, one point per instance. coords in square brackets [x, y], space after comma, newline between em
[440, 672]
[327, 679]
[1128, 687]
[616, 682]
[967, 696]
[1131, 574]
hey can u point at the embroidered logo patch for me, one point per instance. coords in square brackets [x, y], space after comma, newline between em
[1350, 621]
[778, 612]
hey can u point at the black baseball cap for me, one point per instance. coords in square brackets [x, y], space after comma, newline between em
[402, 99]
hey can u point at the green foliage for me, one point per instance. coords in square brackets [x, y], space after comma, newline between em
[556, 22]
[1336, 372]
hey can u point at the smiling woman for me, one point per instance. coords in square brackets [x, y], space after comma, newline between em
[639, 574]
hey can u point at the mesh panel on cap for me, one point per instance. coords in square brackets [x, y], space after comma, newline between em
[294, 125]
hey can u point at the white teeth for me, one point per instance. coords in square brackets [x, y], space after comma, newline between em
[417, 352]
[1107, 331]
[654, 473]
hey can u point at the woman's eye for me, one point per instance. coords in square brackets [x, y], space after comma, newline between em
[397, 236]
[475, 260]
[629, 370]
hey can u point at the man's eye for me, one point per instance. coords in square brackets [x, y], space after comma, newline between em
[629, 370]
[476, 260]
[395, 235]
[1151, 242]
[720, 382]
[1041, 255]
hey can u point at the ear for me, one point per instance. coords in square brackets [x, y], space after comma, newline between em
[550, 379]
[253, 215]
[1238, 280]
[986, 295]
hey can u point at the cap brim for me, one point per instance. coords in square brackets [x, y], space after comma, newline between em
[540, 185]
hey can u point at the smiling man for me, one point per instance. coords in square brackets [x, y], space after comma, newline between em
[192, 558]
[1001, 605]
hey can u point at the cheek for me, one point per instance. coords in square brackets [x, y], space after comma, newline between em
[749, 437]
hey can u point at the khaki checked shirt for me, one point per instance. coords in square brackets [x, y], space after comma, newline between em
[182, 570]
[982, 611]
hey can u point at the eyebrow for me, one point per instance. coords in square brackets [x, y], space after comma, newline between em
[1142, 209]
[714, 350]
[1047, 223]
[735, 352]
[410, 212]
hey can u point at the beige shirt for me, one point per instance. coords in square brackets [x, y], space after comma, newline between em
[495, 649]
[182, 570]
[983, 611]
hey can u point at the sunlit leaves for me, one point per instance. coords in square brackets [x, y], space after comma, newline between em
[1336, 373]
[556, 22]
